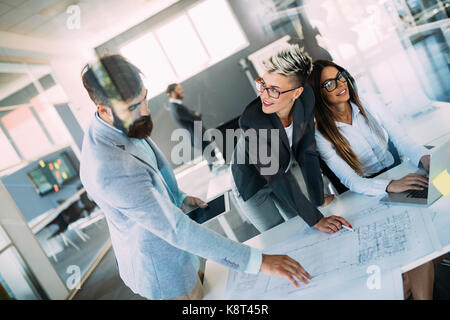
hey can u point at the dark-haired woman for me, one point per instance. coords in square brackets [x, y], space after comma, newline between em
[352, 135]
[352, 138]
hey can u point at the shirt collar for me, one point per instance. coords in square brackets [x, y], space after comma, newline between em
[355, 111]
[172, 100]
[107, 124]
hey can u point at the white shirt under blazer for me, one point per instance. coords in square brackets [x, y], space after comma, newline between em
[372, 151]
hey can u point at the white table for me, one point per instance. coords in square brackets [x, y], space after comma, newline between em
[216, 274]
[40, 222]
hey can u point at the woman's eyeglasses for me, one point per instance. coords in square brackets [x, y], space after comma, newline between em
[331, 84]
[273, 93]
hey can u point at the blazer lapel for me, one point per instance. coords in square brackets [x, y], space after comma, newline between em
[160, 159]
[121, 141]
[106, 133]
[298, 117]
[276, 123]
[137, 153]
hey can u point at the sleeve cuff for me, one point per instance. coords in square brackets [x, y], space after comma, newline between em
[181, 198]
[379, 186]
[254, 265]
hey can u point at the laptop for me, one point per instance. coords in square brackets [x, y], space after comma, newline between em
[439, 161]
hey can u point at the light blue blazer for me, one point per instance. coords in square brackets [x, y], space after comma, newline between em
[153, 240]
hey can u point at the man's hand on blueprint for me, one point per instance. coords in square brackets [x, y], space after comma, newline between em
[331, 224]
[285, 266]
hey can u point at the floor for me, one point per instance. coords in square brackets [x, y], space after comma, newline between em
[76, 252]
[105, 283]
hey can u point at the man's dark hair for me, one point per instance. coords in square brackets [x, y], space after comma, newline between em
[112, 78]
[171, 88]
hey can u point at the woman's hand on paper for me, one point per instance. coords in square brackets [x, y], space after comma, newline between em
[331, 224]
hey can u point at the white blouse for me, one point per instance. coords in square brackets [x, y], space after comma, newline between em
[289, 132]
[371, 151]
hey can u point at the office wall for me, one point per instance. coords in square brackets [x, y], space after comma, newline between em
[21, 96]
[220, 92]
[24, 95]
[71, 123]
[67, 73]
[29, 202]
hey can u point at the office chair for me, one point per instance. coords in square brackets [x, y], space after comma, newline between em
[441, 290]
[63, 220]
[87, 203]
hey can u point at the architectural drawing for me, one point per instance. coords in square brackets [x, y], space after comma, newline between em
[383, 235]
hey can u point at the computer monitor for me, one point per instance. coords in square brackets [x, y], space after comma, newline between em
[52, 175]
[42, 180]
[62, 169]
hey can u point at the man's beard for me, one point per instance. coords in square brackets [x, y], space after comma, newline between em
[141, 128]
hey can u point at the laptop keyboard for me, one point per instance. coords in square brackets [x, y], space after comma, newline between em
[419, 194]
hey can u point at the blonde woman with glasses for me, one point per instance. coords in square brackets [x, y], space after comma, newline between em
[284, 106]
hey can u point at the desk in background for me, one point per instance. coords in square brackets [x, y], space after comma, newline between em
[38, 223]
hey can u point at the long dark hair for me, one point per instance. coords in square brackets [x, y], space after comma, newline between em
[325, 117]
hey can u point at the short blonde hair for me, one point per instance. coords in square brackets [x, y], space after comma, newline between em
[290, 61]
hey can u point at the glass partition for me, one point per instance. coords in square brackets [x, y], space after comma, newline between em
[395, 49]
[15, 278]
[70, 228]
[4, 239]
[73, 238]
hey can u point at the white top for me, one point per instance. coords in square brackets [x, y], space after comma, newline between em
[371, 151]
[178, 101]
[289, 132]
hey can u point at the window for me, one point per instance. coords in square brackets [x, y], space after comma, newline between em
[9, 155]
[182, 46]
[51, 120]
[193, 41]
[148, 56]
[19, 123]
[26, 107]
[218, 29]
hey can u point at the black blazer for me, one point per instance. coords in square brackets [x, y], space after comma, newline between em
[248, 177]
[183, 116]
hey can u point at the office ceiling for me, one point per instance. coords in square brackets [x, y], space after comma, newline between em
[48, 18]
[5, 77]
[11, 82]
[8, 78]
[100, 21]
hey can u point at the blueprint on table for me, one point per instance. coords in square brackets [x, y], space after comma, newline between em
[384, 236]
[441, 222]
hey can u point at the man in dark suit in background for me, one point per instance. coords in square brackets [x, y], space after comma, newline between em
[185, 119]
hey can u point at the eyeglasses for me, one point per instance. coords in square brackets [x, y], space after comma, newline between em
[273, 93]
[331, 84]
